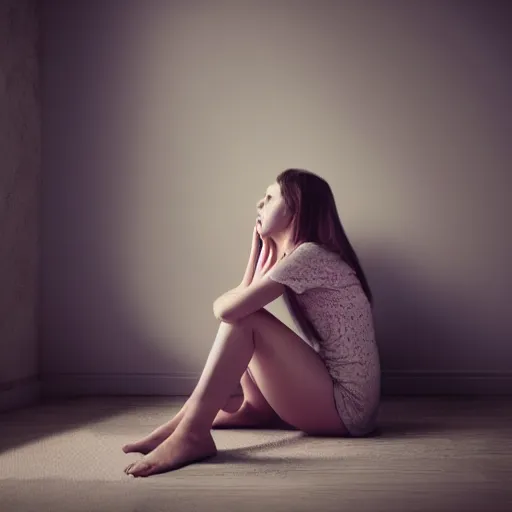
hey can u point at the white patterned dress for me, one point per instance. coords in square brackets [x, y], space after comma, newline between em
[330, 295]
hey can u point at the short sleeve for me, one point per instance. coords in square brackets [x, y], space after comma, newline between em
[302, 270]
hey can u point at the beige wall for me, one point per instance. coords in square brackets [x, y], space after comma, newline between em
[165, 121]
[20, 162]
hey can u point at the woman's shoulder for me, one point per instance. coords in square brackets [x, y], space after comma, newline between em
[311, 254]
[306, 251]
[309, 247]
[327, 257]
[314, 248]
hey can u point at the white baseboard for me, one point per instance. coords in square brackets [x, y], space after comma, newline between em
[29, 391]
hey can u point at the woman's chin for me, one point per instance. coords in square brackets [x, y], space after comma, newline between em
[265, 232]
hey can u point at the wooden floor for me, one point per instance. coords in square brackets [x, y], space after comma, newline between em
[430, 454]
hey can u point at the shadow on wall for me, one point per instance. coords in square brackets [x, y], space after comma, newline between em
[422, 323]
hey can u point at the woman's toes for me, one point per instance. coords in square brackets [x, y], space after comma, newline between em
[127, 468]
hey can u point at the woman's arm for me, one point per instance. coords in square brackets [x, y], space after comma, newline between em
[254, 292]
[242, 301]
[246, 280]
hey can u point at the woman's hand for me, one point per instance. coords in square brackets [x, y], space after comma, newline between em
[253, 259]
[260, 262]
[267, 258]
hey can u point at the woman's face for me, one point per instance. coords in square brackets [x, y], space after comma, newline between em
[273, 212]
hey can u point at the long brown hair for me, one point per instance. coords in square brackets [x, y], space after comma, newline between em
[315, 216]
[311, 202]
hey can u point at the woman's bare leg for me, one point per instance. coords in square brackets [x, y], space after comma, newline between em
[254, 412]
[155, 438]
[160, 434]
[192, 440]
[279, 360]
[250, 410]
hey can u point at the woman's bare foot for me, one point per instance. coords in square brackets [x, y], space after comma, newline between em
[158, 436]
[177, 451]
[249, 417]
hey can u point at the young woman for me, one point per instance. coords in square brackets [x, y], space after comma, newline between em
[327, 386]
